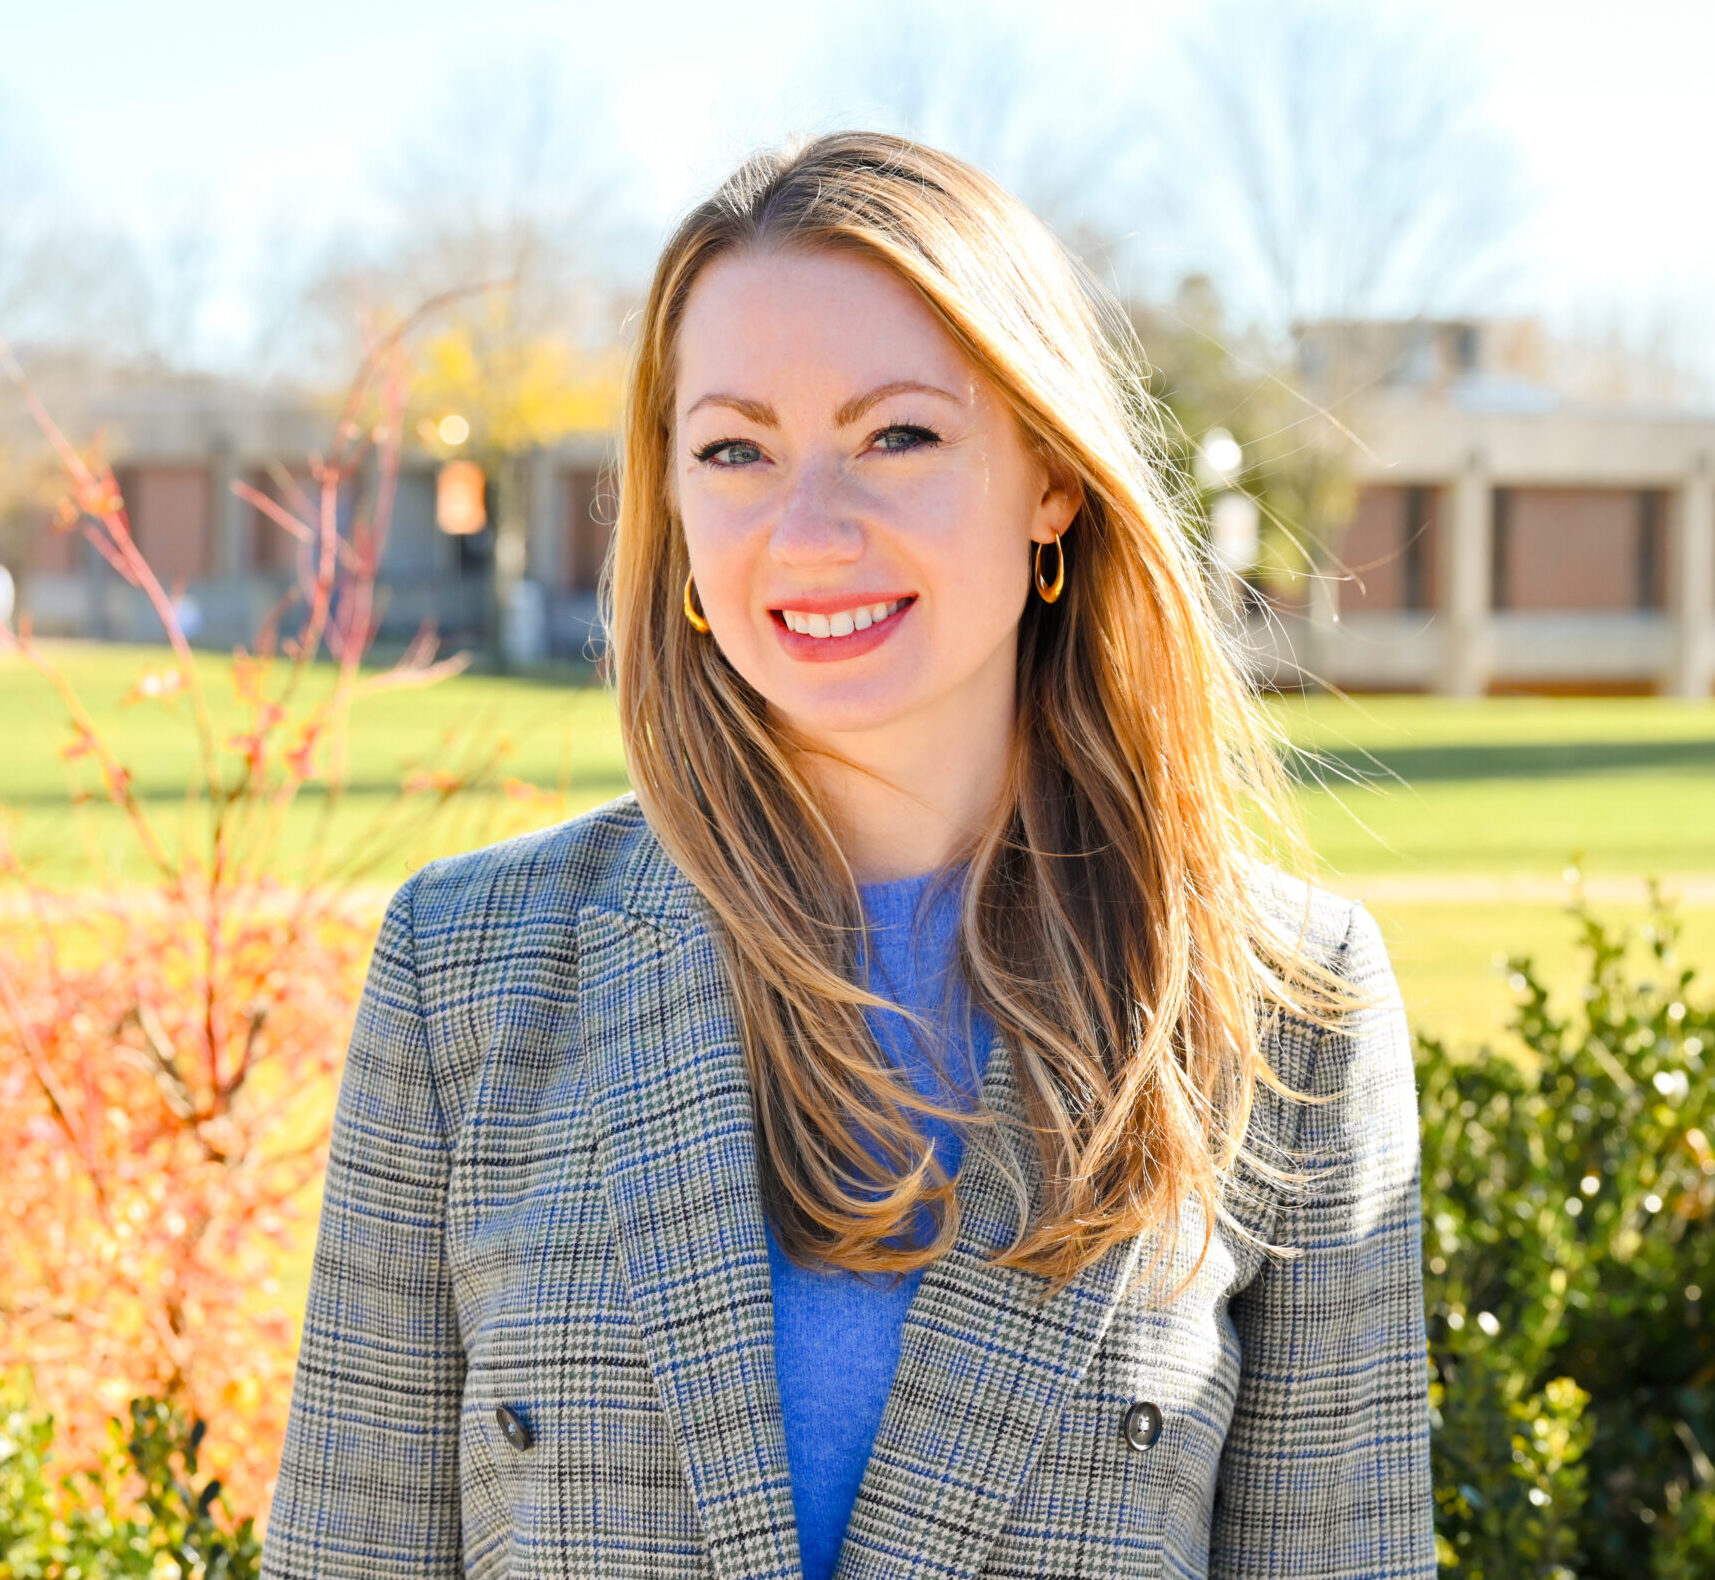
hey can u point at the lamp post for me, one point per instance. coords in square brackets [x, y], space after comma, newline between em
[461, 512]
[1234, 519]
[460, 509]
[515, 616]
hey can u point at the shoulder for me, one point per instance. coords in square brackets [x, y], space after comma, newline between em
[607, 859]
[1326, 929]
[478, 919]
[503, 923]
[1306, 916]
[1355, 1068]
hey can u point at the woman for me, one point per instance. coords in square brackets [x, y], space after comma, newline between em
[916, 1134]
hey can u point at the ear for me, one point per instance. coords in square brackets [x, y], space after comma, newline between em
[1061, 500]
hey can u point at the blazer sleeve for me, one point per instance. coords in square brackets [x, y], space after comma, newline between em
[369, 1477]
[1325, 1470]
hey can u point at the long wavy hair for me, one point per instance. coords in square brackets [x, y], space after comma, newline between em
[1109, 925]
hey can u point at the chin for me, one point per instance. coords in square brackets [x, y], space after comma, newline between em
[826, 712]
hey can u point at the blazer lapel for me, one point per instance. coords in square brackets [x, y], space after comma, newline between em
[679, 1171]
[985, 1366]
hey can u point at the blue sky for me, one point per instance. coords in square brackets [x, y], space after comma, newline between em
[283, 121]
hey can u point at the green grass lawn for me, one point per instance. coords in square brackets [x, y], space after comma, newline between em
[558, 736]
[1484, 803]
[555, 731]
[1455, 821]
[1506, 785]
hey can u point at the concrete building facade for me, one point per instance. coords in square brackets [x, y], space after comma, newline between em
[1508, 538]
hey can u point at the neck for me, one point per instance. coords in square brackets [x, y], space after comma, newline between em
[911, 796]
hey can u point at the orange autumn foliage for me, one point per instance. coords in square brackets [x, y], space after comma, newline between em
[166, 1106]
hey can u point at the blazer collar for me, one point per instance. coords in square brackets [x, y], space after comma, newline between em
[986, 1363]
[652, 886]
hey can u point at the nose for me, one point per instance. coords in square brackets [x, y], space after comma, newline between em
[814, 527]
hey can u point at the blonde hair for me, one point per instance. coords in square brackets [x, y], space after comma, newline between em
[1108, 927]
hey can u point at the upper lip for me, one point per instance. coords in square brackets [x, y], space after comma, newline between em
[833, 603]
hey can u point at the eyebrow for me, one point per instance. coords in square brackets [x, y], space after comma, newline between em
[858, 405]
[757, 411]
[762, 413]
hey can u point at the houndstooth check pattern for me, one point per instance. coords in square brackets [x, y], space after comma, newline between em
[542, 1194]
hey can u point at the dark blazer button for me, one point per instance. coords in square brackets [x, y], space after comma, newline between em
[518, 1434]
[1142, 1424]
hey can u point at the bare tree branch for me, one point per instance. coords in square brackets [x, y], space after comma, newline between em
[512, 178]
[1020, 107]
[1329, 163]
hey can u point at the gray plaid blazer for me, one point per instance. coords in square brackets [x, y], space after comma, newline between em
[539, 1341]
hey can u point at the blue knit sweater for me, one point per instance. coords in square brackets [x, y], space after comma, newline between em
[836, 1334]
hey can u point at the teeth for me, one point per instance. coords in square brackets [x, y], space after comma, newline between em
[843, 623]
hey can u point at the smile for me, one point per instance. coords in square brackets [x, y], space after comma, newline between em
[842, 622]
[820, 636]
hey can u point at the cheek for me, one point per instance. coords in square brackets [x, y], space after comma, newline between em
[979, 540]
[727, 551]
[719, 546]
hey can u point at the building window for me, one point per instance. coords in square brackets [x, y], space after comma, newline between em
[1566, 549]
[1414, 557]
[273, 548]
[1500, 524]
[587, 526]
[1652, 535]
[170, 510]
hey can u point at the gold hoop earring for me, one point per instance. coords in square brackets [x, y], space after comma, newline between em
[1051, 590]
[697, 621]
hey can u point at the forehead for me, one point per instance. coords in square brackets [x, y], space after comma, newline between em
[759, 324]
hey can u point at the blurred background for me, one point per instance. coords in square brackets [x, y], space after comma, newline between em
[1426, 294]
[1440, 275]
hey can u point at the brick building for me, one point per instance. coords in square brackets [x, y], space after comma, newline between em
[1509, 533]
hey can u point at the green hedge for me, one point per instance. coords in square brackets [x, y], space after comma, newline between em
[1569, 1271]
[86, 1527]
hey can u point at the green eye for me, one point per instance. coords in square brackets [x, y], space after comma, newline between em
[905, 436]
[746, 452]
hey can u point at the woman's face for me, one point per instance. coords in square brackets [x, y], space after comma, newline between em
[859, 504]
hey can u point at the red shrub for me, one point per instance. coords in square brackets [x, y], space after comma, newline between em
[167, 1060]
